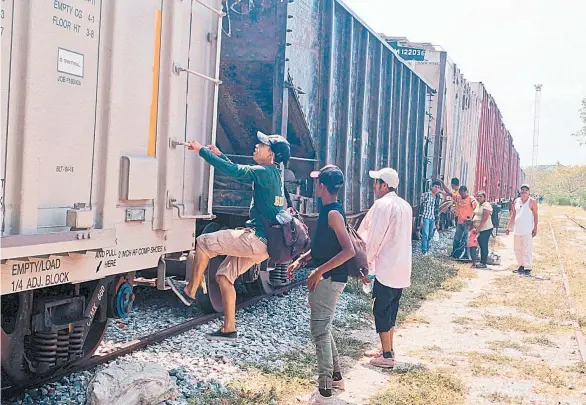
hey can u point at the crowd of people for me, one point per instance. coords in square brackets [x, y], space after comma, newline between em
[475, 222]
[386, 231]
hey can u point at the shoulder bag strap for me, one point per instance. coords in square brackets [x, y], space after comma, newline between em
[287, 196]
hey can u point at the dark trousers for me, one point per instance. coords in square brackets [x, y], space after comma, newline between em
[473, 253]
[461, 234]
[483, 244]
[386, 306]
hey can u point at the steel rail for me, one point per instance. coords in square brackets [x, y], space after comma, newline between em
[566, 283]
[576, 222]
[11, 391]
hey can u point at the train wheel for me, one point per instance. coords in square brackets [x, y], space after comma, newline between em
[121, 298]
[209, 300]
[94, 337]
[16, 313]
[26, 355]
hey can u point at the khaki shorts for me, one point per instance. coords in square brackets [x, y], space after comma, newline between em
[241, 246]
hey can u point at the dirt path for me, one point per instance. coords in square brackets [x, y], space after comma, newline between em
[501, 339]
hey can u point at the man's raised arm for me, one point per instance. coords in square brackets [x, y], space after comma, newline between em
[222, 163]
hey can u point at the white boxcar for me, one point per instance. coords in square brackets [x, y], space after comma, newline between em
[454, 117]
[461, 143]
[95, 96]
[92, 98]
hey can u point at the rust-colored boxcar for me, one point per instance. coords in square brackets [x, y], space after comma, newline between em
[498, 166]
[491, 146]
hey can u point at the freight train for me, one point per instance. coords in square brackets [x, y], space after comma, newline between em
[468, 137]
[99, 193]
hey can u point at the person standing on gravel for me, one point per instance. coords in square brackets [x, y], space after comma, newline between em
[482, 225]
[429, 214]
[523, 222]
[386, 229]
[331, 247]
[243, 247]
[465, 206]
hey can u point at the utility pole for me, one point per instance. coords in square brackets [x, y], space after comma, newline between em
[536, 124]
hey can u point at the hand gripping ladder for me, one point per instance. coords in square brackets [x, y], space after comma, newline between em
[173, 143]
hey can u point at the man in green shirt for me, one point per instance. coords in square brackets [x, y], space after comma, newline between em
[243, 247]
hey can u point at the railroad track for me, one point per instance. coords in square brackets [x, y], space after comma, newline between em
[580, 339]
[576, 222]
[10, 392]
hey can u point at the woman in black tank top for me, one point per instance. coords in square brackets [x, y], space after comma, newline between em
[330, 249]
[325, 244]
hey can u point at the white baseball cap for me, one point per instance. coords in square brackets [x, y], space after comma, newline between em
[388, 175]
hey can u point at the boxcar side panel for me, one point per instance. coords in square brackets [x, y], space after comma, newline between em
[91, 112]
[362, 107]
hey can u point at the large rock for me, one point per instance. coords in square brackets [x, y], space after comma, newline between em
[134, 383]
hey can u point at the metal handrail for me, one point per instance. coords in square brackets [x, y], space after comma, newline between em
[218, 12]
[178, 69]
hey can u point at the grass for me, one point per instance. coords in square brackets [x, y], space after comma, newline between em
[539, 340]
[484, 300]
[484, 364]
[500, 345]
[267, 384]
[437, 278]
[428, 275]
[492, 364]
[422, 387]
[463, 320]
[300, 364]
[427, 352]
[354, 286]
[503, 398]
[439, 295]
[431, 278]
[254, 387]
[490, 357]
[360, 306]
[465, 270]
[415, 318]
[572, 253]
[512, 323]
[348, 346]
[453, 284]
[543, 301]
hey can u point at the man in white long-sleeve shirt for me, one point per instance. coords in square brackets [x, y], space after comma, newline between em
[387, 232]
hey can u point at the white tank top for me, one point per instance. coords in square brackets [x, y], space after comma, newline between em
[523, 218]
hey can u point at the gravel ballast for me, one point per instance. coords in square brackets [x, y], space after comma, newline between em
[267, 331]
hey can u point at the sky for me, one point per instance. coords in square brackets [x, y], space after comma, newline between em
[509, 45]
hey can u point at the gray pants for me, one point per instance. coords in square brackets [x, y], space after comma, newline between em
[323, 302]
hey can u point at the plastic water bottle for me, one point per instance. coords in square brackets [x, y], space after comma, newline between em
[367, 288]
[284, 217]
